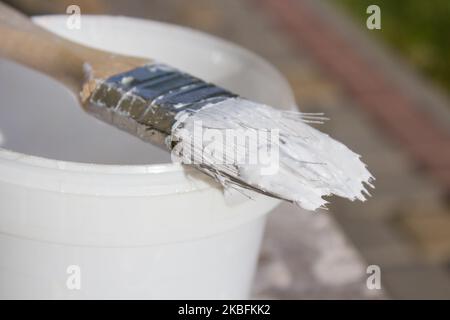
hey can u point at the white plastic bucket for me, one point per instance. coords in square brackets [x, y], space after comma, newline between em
[82, 213]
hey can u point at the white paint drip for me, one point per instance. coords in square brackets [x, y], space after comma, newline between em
[87, 71]
[311, 164]
[126, 80]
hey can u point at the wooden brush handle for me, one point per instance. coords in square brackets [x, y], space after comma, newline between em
[26, 43]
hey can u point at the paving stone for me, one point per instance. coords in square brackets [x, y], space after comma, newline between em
[416, 282]
[429, 228]
[394, 255]
[305, 255]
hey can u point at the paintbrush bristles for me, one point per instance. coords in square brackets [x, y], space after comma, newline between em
[280, 155]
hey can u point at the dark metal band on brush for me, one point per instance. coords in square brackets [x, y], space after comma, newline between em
[145, 100]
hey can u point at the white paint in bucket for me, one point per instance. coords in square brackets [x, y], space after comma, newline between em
[135, 228]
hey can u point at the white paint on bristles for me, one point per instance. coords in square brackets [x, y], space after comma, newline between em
[311, 164]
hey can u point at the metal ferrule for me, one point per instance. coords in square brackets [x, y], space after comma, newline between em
[144, 101]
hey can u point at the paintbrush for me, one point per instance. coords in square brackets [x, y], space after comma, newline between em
[242, 144]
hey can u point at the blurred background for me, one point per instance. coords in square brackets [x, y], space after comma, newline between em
[386, 93]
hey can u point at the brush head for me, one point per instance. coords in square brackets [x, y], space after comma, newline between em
[145, 100]
[272, 152]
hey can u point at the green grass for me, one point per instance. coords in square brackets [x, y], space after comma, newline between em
[418, 29]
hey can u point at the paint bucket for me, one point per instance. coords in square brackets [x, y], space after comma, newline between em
[89, 212]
